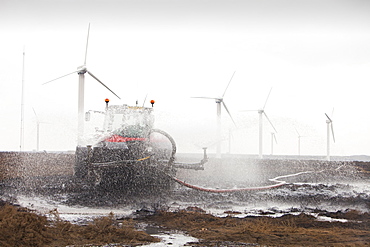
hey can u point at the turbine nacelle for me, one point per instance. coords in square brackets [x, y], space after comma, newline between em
[81, 69]
[220, 100]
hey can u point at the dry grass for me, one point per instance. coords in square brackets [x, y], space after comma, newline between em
[20, 227]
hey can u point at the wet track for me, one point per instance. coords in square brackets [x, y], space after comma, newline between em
[308, 186]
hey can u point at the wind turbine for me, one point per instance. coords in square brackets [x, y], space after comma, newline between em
[81, 70]
[37, 129]
[262, 112]
[273, 138]
[219, 101]
[299, 142]
[329, 128]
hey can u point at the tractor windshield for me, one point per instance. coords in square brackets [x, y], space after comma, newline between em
[130, 121]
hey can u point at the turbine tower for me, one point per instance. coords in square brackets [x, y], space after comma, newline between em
[219, 101]
[329, 128]
[81, 70]
[262, 112]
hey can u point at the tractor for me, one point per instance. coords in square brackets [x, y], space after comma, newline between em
[129, 153]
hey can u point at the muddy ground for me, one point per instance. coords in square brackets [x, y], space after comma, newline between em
[327, 205]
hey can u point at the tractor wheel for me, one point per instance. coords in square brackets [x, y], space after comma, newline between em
[81, 166]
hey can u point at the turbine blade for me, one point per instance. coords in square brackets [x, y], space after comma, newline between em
[248, 110]
[37, 119]
[332, 131]
[228, 84]
[231, 133]
[87, 43]
[145, 99]
[297, 131]
[228, 112]
[269, 121]
[328, 117]
[102, 84]
[61, 77]
[266, 100]
[273, 137]
[205, 98]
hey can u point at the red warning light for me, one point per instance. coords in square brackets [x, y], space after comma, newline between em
[152, 102]
[106, 100]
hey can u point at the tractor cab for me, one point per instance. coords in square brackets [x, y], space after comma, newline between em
[128, 134]
[124, 125]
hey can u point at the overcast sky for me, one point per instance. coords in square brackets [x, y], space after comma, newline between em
[315, 55]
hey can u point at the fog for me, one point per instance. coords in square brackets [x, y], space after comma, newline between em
[314, 55]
